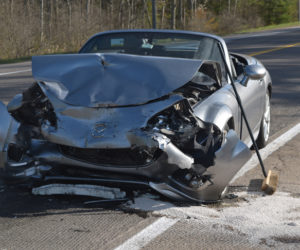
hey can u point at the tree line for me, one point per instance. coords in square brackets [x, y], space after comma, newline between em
[29, 27]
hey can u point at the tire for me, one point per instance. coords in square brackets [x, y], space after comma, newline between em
[264, 131]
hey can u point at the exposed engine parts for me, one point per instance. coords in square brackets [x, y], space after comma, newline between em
[192, 136]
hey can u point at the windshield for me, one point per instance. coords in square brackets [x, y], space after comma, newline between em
[154, 44]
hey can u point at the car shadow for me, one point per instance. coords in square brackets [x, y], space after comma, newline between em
[255, 185]
[17, 201]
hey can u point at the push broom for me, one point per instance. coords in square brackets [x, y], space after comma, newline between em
[270, 182]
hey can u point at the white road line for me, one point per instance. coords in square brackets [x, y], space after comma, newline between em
[14, 72]
[269, 149]
[148, 234]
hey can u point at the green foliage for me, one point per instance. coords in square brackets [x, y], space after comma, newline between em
[279, 11]
[270, 11]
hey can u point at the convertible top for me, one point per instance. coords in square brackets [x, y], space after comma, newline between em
[110, 79]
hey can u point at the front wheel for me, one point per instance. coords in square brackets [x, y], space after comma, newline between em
[264, 131]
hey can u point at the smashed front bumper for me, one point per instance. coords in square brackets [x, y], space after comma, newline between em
[45, 163]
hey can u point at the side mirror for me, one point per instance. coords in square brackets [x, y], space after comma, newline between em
[254, 72]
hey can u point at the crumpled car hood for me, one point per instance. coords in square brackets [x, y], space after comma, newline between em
[95, 80]
[86, 127]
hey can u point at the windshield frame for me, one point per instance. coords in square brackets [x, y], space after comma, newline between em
[146, 41]
[183, 32]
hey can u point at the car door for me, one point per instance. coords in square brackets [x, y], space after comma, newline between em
[252, 97]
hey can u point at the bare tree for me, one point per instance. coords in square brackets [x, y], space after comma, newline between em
[235, 6]
[42, 20]
[146, 11]
[70, 13]
[173, 14]
[163, 14]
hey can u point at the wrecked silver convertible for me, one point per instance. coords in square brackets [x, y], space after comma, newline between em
[137, 108]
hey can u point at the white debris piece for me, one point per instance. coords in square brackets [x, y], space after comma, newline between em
[80, 189]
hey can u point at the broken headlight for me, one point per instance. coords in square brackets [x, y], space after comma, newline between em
[36, 109]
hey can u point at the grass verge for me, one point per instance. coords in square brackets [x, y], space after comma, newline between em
[15, 60]
[269, 27]
[28, 58]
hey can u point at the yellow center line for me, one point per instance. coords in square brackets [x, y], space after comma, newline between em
[274, 49]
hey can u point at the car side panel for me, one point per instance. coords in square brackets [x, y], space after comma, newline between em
[219, 108]
[252, 97]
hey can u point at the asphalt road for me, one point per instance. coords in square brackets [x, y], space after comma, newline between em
[28, 222]
[283, 65]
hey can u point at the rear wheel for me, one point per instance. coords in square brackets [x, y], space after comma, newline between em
[264, 131]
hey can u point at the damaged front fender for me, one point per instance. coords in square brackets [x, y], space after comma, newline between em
[8, 129]
[5, 122]
[232, 155]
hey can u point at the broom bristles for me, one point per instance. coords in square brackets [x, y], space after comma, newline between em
[270, 183]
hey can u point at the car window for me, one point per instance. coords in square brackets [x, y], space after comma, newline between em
[151, 43]
[217, 56]
[211, 52]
